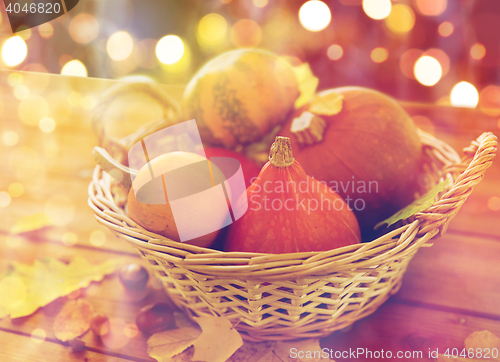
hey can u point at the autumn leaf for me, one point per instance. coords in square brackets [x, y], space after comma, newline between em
[30, 223]
[164, 345]
[327, 104]
[302, 351]
[218, 341]
[307, 83]
[481, 341]
[416, 206]
[73, 320]
[25, 288]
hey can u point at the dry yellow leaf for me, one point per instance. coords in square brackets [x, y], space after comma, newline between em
[24, 288]
[306, 350]
[327, 104]
[307, 84]
[482, 342]
[73, 320]
[29, 223]
[165, 345]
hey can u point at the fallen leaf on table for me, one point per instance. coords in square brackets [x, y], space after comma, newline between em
[306, 350]
[24, 288]
[30, 223]
[307, 83]
[327, 104]
[416, 206]
[483, 340]
[218, 341]
[73, 320]
[164, 345]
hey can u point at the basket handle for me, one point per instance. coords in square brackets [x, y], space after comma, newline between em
[478, 157]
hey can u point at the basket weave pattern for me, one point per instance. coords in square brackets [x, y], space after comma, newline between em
[289, 296]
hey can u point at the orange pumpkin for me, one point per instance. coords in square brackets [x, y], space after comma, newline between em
[291, 212]
[239, 96]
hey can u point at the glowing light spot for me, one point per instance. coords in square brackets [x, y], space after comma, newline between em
[445, 29]
[489, 100]
[69, 238]
[315, 15]
[4, 199]
[379, 55]
[260, 3]
[427, 70]
[32, 109]
[74, 68]
[431, 7]
[131, 330]
[477, 51]
[24, 32]
[38, 335]
[21, 92]
[14, 51]
[441, 57]
[83, 28]
[60, 209]
[46, 30]
[245, 33]
[10, 138]
[170, 49]
[464, 94]
[120, 45]
[97, 238]
[47, 125]
[377, 9]
[16, 189]
[494, 203]
[14, 79]
[212, 28]
[401, 19]
[335, 52]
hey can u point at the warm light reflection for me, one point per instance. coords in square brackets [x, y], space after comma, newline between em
[47, 125]
[21, 92]
[10, 138]
[170, 49]
[379, 55]
[14, 51]
[335, 52]
[246, 33]
[74, 68]
[477, 51]
[97, 238]
[315, 15]
[441, 57]
[46, 30]
[494, 203]
[260, 3]
[16, 189]
[377, 9]
[4, 199]
[38, 335]
[131, 330]
[25, 34]
[14, 79]
[489, 100]
[212, 28]
[32, 109]
[431, 7]
[120, 45]
[427, 70]
[445, 29]
[83, 28]
[464, 94]
[401, 19]
[69, 238]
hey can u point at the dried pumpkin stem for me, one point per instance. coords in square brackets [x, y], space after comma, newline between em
[281, 152]
[308, 128]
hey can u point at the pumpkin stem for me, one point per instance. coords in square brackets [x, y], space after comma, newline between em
[308, 128]
[281, 152]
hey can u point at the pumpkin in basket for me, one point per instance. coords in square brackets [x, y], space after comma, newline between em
[239, 96]
[371, 152]
[291, 212]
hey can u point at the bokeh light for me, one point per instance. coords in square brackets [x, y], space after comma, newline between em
[246, 33]
[212, 28]
[170, 49]
[4, 199]
[335, 52]
[377, 9]
[260, 3]
[47, 124]
[131, 330]
[32, 109]
[315, 15]
[431, 7]
[21, 92]
[427, 70]
[83, 28]
[25, 33]
[477, 51]
[74, 68]
[14, 51]
[97, 238]
[46, 30]
[69, 238]
[15, 79]
[441, 57]
[120, 45]
[489, 100]
[401, 19]
[10, 138]
[38, 335]
[379, 55]
[494, 203]
[16, 189]
[464, 94]
[60, 209]
[445, 29]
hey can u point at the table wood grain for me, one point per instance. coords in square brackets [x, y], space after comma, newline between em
[450, 289]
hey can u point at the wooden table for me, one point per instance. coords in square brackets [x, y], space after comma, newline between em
[449, 291]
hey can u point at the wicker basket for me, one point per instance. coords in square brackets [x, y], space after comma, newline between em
[312, 294]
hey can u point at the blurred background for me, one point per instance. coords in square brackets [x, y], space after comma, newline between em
[432, 51]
